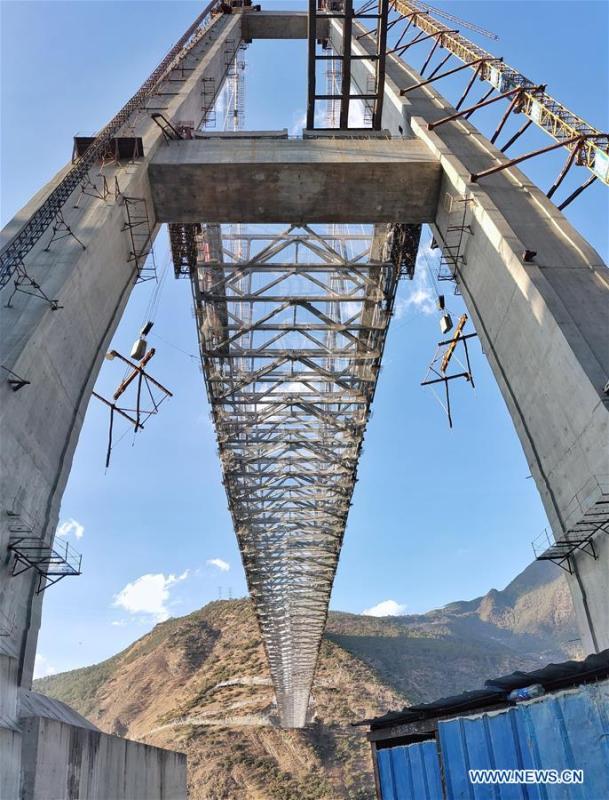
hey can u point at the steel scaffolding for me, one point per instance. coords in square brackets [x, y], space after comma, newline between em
[344, 12]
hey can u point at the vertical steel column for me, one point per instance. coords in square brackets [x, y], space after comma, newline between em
[346, 77]
[343, 13]
[381, 50]
[312, 34]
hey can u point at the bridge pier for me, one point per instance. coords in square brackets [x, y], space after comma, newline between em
[542, 322]
[91, 274]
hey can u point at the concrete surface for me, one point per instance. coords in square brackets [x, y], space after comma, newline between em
[280, 25]
[211, 134]
[63, 761]
[295, 180]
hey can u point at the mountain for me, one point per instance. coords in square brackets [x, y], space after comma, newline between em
[450, 649]
[200, 684]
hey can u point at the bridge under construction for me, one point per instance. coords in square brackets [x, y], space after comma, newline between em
[294, 248]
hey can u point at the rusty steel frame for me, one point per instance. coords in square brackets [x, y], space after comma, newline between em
[291, 330]
[538, 106]
[143, 380]
[467, 112]
[534, 103]
[344, 11]
[444, 354]
[578, 143]
[422, 38]
[433, 77]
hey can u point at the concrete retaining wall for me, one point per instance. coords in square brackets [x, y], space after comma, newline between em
[65, 762]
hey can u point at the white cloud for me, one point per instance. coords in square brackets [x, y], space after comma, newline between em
[148, 595]
[222, 565]
[387, 608]
[42, 668]
[291, 387]
[71, 526]
[119, 623]
[357, 117]
[421, 293]
[299, 121]
[420, 298]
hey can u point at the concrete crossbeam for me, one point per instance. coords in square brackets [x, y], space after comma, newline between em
[294, 181]
[542, 323]
[280, 25]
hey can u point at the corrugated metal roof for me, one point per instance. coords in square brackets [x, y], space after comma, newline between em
[552, 677]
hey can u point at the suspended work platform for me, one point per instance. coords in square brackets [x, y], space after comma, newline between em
[51, 562]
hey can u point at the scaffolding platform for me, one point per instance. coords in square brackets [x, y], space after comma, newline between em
[120, 148]
[561, 550]
[51, 562]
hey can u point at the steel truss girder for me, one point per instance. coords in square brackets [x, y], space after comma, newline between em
[292, 327]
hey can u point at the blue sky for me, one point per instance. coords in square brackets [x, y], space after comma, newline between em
[438, 515]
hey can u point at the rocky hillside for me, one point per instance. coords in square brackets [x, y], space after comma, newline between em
[200, 684]
[458, 647]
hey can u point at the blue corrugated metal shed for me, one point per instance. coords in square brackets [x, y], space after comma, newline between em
[410, 772]
[567, 730]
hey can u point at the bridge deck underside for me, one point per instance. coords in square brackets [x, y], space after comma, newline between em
[292, 326]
